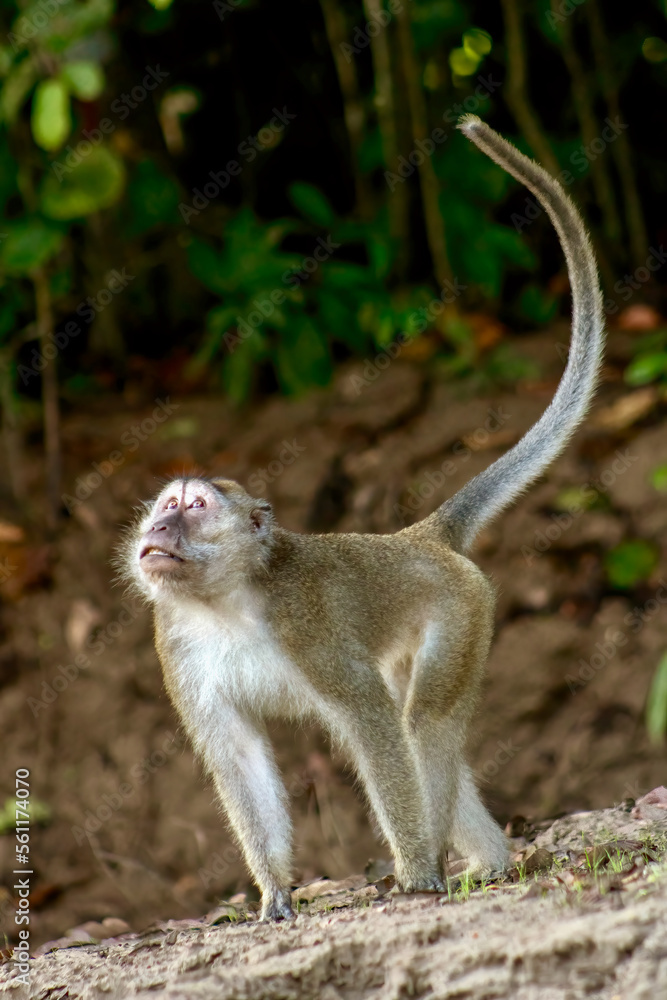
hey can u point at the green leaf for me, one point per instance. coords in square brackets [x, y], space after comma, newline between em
[659, 478]
[40, 813]
[238, 369]
[218, 321]
[84, 79]
[339, 320]
[345, 276]
[463, 62]
[51, 121]
[646, 368]
[303, 357]
[95, 183]
[477, 42]
[578, 498]
[16, 88]
[656, 704]
[630, 562]
[537, 305]
[312, 204]
[29, 244]
[205, 263]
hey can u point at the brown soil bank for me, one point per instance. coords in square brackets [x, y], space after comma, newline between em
[130, 828]
[573, 920]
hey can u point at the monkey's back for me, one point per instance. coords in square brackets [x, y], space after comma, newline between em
[342, 602]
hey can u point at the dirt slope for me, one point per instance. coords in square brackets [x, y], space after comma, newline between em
[586, 924]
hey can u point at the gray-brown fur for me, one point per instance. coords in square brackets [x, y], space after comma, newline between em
[382, 637]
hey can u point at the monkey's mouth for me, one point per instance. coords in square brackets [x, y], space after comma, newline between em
[153, 557]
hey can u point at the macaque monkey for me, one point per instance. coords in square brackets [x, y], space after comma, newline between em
[383, 638]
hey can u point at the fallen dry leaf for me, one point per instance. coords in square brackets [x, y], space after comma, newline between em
[11, 532]
[498, 440]
[540, 860]
[83, 617]
[327, 887]
[627, 410]
[639, 317]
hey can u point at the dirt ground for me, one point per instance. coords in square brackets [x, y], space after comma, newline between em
[573, 921]
[129, 828]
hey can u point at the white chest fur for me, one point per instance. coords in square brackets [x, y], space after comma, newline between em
[226, 652]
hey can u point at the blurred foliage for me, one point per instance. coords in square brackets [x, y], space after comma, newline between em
[659, 478]
[630, 562]
[97, 158]
[40, 813]
[650, 362]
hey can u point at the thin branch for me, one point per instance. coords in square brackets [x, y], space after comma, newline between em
[583, 106]
[397, 202]
[516, 91]
[51, 411]
[10, 429]
[430, 188]
[353, 109]
[620, 149]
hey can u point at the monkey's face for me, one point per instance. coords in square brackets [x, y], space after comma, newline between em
[200, 536]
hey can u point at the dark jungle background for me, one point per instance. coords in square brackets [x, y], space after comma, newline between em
[246, 238]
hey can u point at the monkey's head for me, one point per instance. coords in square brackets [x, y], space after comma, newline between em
[199, 536]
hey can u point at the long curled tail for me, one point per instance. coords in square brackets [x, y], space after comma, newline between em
[485, 496]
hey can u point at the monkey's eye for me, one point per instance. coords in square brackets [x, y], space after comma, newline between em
[198, 502]
[171, 504]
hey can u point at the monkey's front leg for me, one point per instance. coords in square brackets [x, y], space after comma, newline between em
[239, 756]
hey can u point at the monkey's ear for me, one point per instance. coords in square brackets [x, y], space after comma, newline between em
[261, 518]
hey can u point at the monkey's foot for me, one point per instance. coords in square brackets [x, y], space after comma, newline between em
[277, 906]
[429, 883]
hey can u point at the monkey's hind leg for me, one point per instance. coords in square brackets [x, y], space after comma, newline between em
[475, 835]
[239, 756]
[440, 702]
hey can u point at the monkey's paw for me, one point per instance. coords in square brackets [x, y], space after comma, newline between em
[277, 906]
[428, 883]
